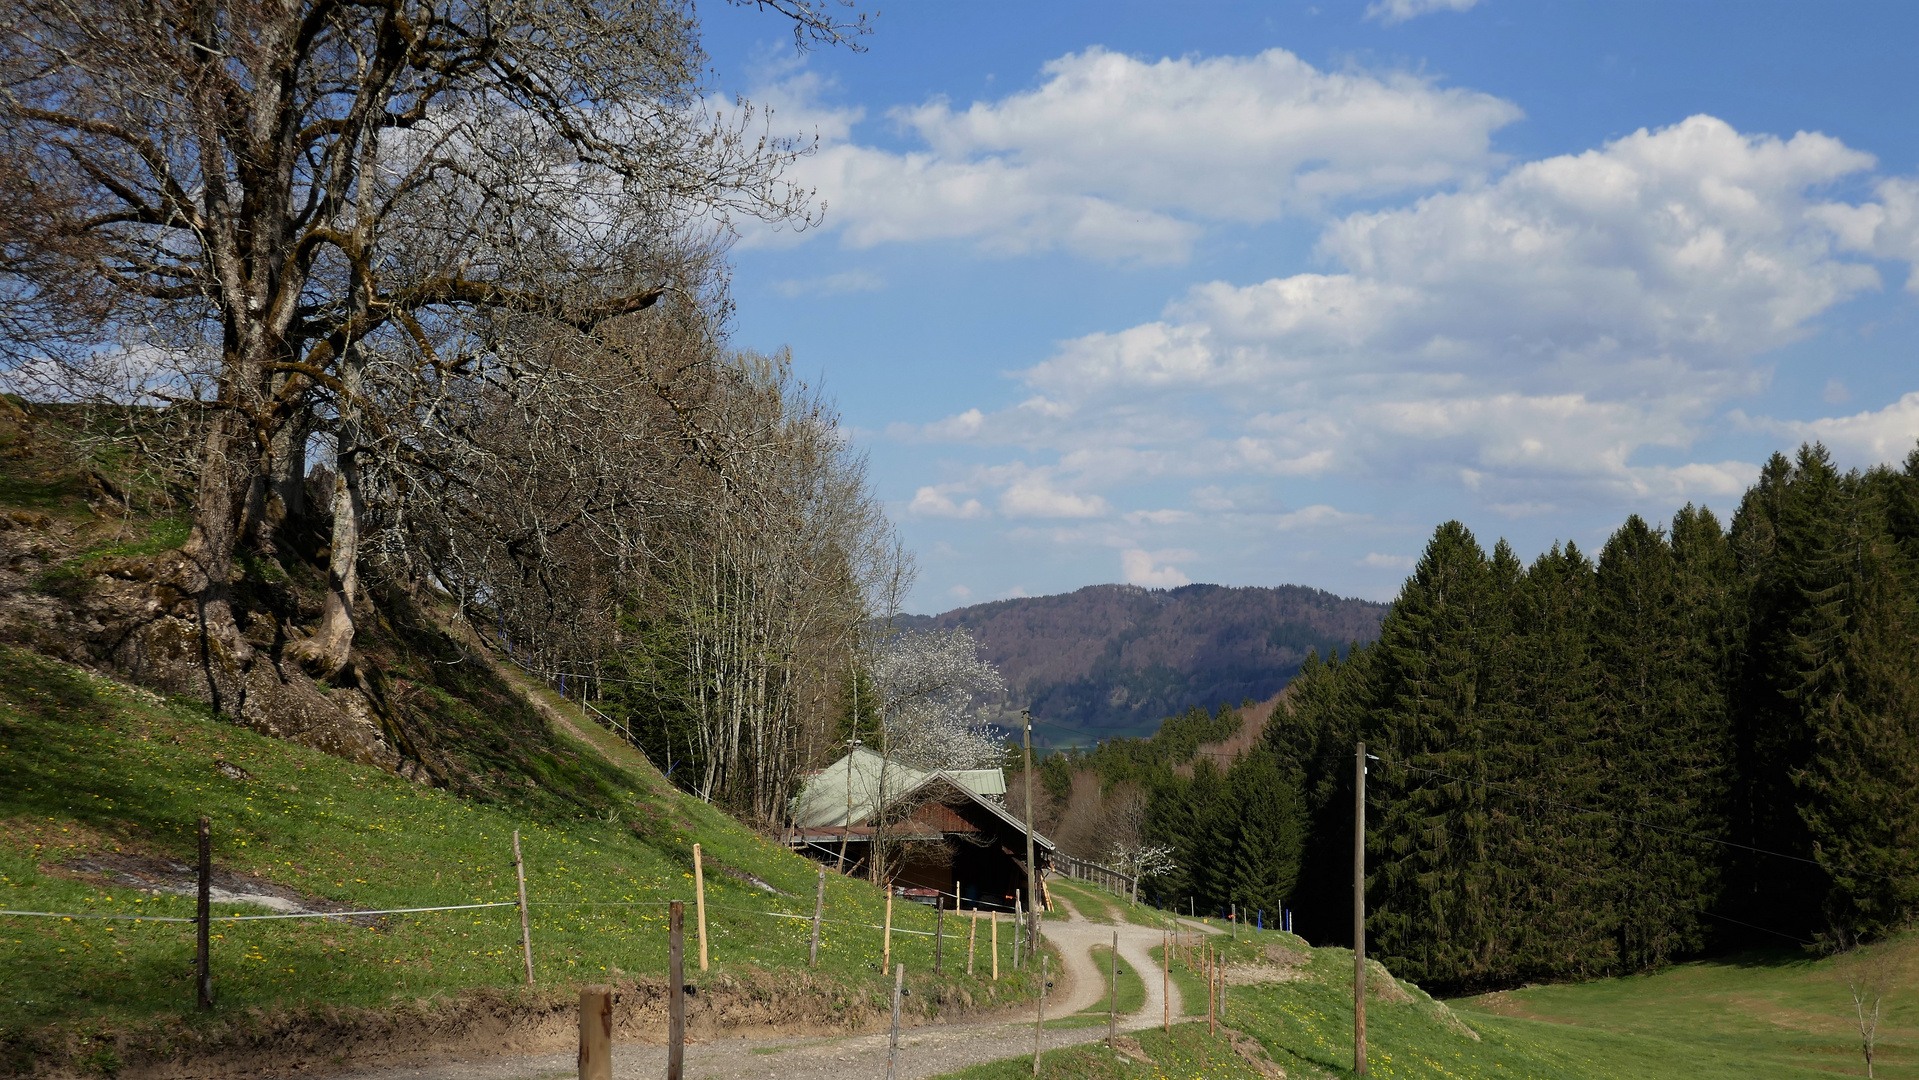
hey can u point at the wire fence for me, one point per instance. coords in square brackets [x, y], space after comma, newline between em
[207, 918]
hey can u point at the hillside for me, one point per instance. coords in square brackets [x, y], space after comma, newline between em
[1111, 660]
[396, 783]
[100, 785]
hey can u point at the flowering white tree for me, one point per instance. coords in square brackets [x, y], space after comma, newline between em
[929, 682]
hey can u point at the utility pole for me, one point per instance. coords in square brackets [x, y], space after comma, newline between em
[1359, 911]
[1032, 868]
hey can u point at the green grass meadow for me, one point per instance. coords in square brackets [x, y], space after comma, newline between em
[1781, 1015]
[90, 769]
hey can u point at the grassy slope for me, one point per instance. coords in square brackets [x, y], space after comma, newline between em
[90, 767]
[1766, 1017]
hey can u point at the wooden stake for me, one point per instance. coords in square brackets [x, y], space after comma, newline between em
[1112, 1008]
[995, 917]
[676, 991]
[886, 953]
[1359, 911]
[203, 948]
[893, 1047]
[1041, 1025]
[1016, 930]
[596, 1033]
[526, 925]
[1212, 1016]
[972, 938]
[819, 909]
[699, 900]
[1165, 978]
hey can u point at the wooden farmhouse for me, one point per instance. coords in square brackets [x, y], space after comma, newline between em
[952, 829]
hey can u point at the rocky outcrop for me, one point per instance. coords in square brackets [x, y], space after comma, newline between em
[136, 616]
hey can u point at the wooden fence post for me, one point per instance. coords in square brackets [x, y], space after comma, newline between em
[893, 1046]
[526, 927]
[676, 991]
[1165, 977]
[1112, 1009]
[1040, 1025]
[1212, 1017]
[886, 949]
[203, 948]
[596, 1033]
[699, 900]
[819, 909]
[1018, 920]
[972, 938]
[994, 915]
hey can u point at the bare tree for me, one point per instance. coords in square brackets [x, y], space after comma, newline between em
[1869, 972]
[286, 194]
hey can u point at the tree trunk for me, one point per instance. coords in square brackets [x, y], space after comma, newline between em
[209, 548]
[280, 493]
[326, 652]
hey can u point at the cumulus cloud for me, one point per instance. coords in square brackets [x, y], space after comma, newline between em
[1119, 157]
[1881, 436]
[1522, 338]
[1034, 495]
[938, 502]
[1151, 569]
[1398, 11]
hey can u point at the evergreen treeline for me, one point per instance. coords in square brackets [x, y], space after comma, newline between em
[1581, 762]
[1706, 736]
[1235, 827]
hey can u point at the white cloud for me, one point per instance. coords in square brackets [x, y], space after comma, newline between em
[1034, 495]
[960, 593]
[1882, 436]
[1377, 561]
[1887, 228]
[939, 502]
[1140, 567]
[1118, 157]
[1398, 11]
[1835, 393]
[1157, 517]
[850, 281]
[1316, 517]
[1524, 338]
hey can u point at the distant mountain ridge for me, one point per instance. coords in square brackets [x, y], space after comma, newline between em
[1112, 660]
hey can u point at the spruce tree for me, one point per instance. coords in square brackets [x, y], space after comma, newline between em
[1778, 535]
[1431, 891]
[1259, 830]
[1663, 740]
[1564, 924]
[1856, 642]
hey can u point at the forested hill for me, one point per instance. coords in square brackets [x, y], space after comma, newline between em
[1116, 659]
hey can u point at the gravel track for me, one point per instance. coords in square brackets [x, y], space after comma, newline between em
[924, 1051]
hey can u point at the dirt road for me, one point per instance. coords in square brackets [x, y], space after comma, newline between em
[924, 1051]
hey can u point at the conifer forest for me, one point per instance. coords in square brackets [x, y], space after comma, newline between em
[1705, 735]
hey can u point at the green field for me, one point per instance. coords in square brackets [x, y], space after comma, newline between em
[1780, 1015]
[95, 775]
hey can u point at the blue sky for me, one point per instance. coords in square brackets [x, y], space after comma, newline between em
[1260, 293]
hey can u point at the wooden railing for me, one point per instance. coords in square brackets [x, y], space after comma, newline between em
[1104, 876]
